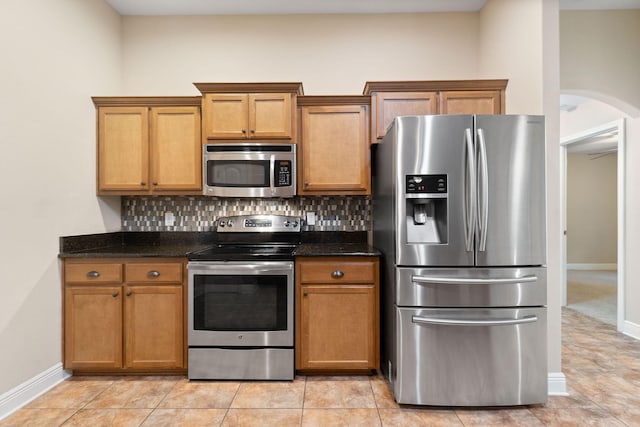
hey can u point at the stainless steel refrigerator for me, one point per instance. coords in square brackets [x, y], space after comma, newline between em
[459, 215]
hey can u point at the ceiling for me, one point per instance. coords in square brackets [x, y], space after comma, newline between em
[277, 7]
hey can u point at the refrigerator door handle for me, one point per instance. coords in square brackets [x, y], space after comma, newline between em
[483, 192]
[470, 208]
[469, 322]
[472, 281]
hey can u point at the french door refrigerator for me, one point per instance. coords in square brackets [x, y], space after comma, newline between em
[459, 215]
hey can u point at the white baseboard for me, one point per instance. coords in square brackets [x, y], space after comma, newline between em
[24, 393]
[631, 329]
[557, 384]
[592, 266]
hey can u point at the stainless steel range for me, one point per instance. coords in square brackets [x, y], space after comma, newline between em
[240, 298]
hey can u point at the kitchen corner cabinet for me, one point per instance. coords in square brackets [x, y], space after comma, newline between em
[337, 314]
[334, 156]
[149, 146]
[407, 98]
[248, 110]
[124, 315]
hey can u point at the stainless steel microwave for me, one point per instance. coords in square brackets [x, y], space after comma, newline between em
[249, 170]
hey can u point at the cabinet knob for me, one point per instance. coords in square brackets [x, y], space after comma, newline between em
[244, 131]
[142, 183]
[154, 183]
[306, 183]
[305, 294]
[337, 274]
[115, 294]
[153, 273]
[253, 131]
[129, 293]
[93, 274]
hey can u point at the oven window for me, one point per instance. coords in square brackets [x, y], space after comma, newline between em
[240, 303]
[238, 173]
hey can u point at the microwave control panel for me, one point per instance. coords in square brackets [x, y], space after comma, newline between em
[283, 173]
[425, 184]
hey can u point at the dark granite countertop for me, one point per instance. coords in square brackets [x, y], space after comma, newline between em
[178, 244]
[134, 244]
[335, 249]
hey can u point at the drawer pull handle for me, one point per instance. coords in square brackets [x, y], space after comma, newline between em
[129, 293]
[115, 294]
[93, 274]
[153, 273]
[337, 274]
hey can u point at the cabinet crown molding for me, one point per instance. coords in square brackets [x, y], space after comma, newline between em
[334, 100]
[146, 101]
[273, 87]
[433, 85]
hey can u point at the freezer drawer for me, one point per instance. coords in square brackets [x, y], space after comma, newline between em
[470, 357]
[471, 287]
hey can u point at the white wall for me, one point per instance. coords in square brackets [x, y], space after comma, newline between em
[592, 222]
[55, 55]
[598, 59]
[599, 54]
[330, 54]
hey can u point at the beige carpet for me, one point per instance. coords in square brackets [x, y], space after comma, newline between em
[593, 293]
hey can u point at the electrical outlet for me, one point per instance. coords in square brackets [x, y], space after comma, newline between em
[169, 219]
[311, 218]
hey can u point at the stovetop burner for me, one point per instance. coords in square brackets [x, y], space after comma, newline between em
[251, 238]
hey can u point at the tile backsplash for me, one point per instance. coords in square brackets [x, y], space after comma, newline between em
[198, 213]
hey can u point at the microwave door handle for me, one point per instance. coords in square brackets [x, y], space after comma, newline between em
[272, 172]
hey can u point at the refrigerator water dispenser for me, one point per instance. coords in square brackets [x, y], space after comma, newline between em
[426, 208]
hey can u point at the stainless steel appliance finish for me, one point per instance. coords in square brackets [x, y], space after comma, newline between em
[249, 170]
[240, 300]
[459, 214]
[471, 356]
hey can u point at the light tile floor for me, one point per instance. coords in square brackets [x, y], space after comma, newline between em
[602, 369]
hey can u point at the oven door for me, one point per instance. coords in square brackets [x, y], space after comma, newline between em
[240, 304]
[249, 170]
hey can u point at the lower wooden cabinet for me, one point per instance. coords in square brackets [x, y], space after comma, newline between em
[337, 314]
[124, 316]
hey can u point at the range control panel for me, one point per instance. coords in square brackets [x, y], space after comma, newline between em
[424, 184]
[259, 223]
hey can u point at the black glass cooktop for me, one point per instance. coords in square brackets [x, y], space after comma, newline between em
[244, 252]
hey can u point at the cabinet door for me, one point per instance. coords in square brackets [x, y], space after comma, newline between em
[176, 149]
[153, 327]
[335, 150]
[93, 327]
[390, 105]
[123, 148]
[225, 115]
[270, 115]
[337, 327]
[470, 102]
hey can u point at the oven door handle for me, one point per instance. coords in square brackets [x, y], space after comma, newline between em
[222, 267]
[272, 173]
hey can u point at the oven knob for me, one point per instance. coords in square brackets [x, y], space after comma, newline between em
[221, 223]
[229, 223]
[287, 223]
[295, 223]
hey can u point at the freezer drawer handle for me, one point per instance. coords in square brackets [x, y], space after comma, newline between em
[459, 322]
[457, 281]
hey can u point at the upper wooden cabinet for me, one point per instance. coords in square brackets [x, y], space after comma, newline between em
[408, 98]
[248, 110]
[390, 105]
[471, 102]
[334, 154]
[149, 145]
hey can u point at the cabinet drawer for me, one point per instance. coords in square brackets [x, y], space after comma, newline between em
[154, 272]
[336, 272]
[93, 273]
